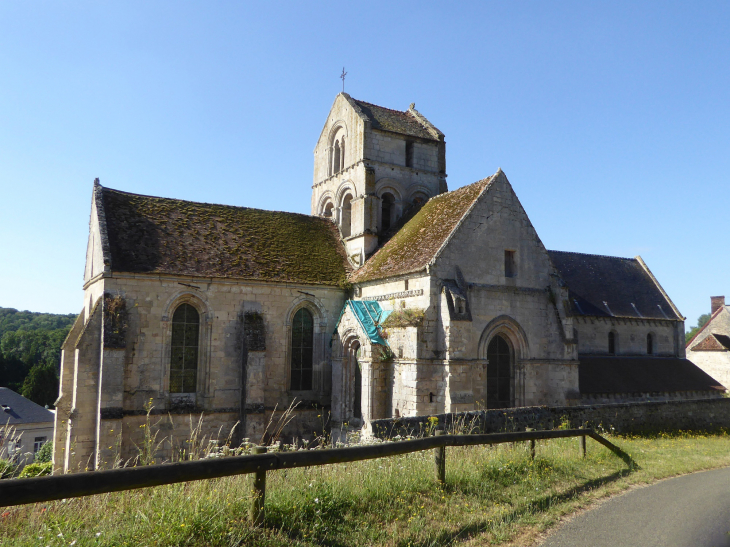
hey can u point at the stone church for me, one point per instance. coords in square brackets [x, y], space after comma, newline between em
[395, 297]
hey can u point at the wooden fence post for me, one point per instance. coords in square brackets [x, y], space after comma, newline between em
[532, 449]
[440, 461]
[583, 445]
[258, 491]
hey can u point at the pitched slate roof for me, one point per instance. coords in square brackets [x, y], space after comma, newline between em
[396, 121]
[713, 342]
[418, 242]
[609, 286]
[16, 409]
[160, 235]
[642, 375]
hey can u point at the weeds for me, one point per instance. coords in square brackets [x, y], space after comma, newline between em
[493, 494]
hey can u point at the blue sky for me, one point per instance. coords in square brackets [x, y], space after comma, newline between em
[610, 119]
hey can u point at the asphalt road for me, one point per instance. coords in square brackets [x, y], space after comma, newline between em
[688, 511]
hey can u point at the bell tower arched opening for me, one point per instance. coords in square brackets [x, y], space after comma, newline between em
[388, 210]
[345, 225]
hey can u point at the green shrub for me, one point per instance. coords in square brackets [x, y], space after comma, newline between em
[37, 470]
[45, 454]
[7, 469]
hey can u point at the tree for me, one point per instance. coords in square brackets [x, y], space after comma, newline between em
[701, 322]
[41, 384]
[28, 340]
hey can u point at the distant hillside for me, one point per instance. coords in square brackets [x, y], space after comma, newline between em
[12, 320]
[30, 352]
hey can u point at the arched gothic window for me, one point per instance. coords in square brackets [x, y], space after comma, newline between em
[336, 158]
[328, 210]
[302, 349]
[345, 227]
[184, 354]
[649, 344]
[612, 343]
[499, 370]
[387, 214]
[419, 199]
[342, 154]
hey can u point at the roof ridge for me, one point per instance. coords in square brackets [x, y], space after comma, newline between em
[487, 181]
[104, 188]
[591, 254]
[379, 106]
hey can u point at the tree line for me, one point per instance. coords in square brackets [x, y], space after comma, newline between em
[30, 352]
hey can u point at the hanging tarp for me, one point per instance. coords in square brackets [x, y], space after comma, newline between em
[370, 315]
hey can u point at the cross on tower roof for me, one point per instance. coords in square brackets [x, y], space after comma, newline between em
[343, 78]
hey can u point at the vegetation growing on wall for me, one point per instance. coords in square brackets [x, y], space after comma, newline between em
[30, 352]
[406, 317]
[115, 321]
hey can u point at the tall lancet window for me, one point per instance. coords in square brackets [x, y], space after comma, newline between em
[342, 154]
[387, 212]
[184, 354]
[612, 343]
[302, 348]
[336, 158]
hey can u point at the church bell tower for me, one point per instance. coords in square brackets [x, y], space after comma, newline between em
[371, 164]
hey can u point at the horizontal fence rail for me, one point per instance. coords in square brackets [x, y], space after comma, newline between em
[39, 489]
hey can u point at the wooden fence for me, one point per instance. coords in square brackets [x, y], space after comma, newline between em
[39, 489]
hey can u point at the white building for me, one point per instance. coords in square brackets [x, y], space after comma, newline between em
[24, 427]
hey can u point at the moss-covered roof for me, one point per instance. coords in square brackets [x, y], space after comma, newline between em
[417, 243]
[395, 121]
[160, 235]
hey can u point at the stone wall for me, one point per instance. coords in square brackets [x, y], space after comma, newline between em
[138, 374]
[641, 417]
[716, 363]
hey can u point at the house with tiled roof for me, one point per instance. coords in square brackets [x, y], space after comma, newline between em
[709, 348]
[395, 297]
[24, 427]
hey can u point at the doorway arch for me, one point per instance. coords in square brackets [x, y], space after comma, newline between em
[500, 364]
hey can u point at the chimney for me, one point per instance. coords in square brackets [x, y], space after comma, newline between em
[716, 302]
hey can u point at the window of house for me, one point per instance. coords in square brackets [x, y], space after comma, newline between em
[38, 442]
[184, 351]
[612, 343]
[302, 348]
[649, 344]
[510, 266]
[409, 153]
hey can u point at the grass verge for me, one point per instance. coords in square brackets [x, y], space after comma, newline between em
[494, 495]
